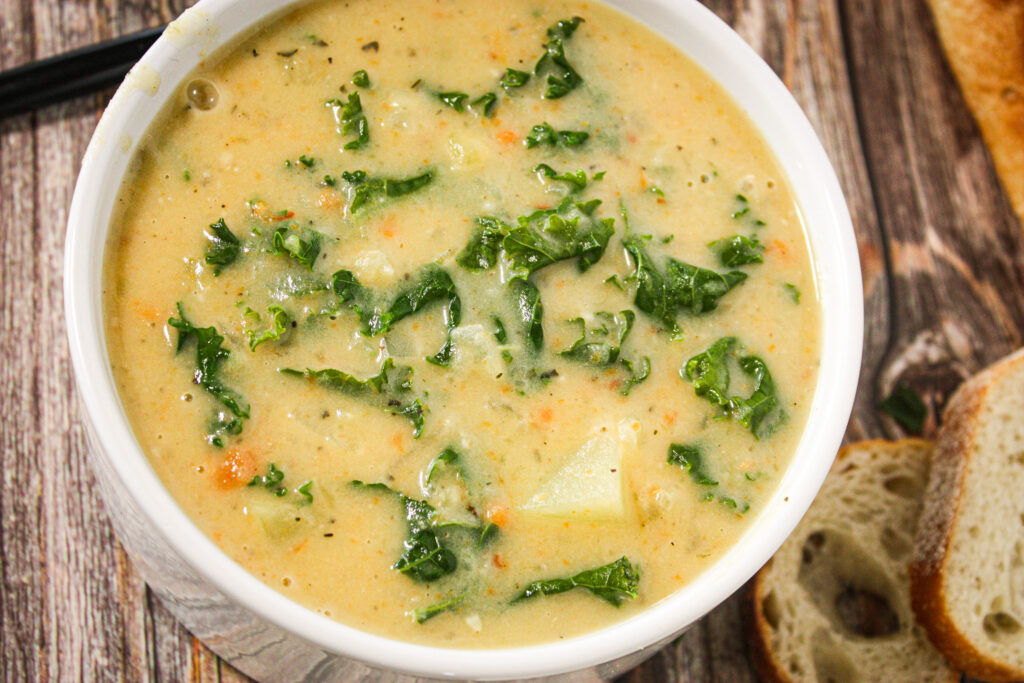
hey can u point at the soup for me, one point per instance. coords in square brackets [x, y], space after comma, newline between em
[471, 325]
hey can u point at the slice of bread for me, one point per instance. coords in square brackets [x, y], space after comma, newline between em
[967, 578]
[984, 42]
[833, 605]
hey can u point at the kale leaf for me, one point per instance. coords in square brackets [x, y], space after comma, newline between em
[546, 237]
[481, 253]
[906, 407]
[663, 294]
[738, 251]
[691, 459]
[304, 248]
[514, 79]
[563, 78]
[224, 247]
[545, 134]
[425, 559]
[612, 582]
[431, 283]
[421, 614]
[529, 312]
[761, 411]
[210, 353]
[591, 351]
[368, 189]
[278, 326]
[361, 79]
[389, 389]
[351, 119]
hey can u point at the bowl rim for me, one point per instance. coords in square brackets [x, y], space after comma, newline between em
[774, 112]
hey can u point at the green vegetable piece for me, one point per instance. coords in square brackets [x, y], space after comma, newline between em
[210, 353]
[689, 457]
[481, 253]
[223, 425]
[361, 79]
[532, 244]
[431, 283]
[425, 558]
[330, 181]
[287, 241]
[760, 412]
[305, 492]
[588, 350]
[421, 614]
[544, 134]
[563, 78]
[351, 119]
[389, 389]
[278, 326]
[636, 377]
[454, 99]
[307, 161]
[500, 335]
[793, 291]
[577, 180]
[612, 583]
[529, 312]
[662, 295]
[379, 190]
[486, 103]
[270, 481]
[738, 251]
[514, 79]
[224, 247]
[905, 406]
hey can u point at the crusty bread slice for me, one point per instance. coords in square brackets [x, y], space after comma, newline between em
[833, 605]
[967, 578]
[984, 42]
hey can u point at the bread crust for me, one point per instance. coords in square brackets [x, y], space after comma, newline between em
[938, 524]
[984, 43]
[769, 670]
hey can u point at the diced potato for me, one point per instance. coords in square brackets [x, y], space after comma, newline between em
[588, 486]
[475, 345]
[373, 268]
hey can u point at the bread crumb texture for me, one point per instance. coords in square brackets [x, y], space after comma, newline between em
[834, 603]
[968, 570]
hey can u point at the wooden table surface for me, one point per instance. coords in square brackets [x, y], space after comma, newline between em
[942, 256]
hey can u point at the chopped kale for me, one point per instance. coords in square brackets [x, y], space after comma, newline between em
[793, 291]
[577, 179]
[545, 237]
[303, 248]
[600, 345]
[421, 614]
[680, 287]
[485, 103]
[425, 559]
[738, 251]
[454, 99]
[545, 134]
[278, 326]
[562, 77]
[351, 119]
[612, 583]
[529, 312]
[431, 283]
[361, 79]
[210, 353]
[379, 190]
[224, 247]
[514, 79]
[390, 389]
[761, 411]
[691, 459]
[270, 481]
[635, 376]
[905, 406]
[481, 253]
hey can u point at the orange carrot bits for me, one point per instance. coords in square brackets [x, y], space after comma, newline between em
[237, 468]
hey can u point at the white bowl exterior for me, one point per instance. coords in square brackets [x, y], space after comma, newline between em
[160, 535]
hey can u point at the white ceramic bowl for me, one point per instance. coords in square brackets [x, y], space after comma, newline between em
[272, 638]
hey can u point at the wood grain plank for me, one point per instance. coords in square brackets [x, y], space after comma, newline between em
[955, 249]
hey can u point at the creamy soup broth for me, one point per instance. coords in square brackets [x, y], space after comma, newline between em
[556, 468]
